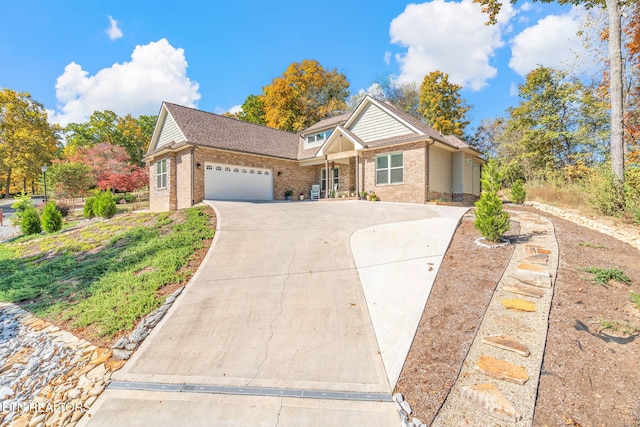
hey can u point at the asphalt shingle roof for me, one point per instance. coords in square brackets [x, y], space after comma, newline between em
[327, 123]
[213, 130]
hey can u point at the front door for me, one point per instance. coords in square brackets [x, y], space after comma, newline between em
[336, 179]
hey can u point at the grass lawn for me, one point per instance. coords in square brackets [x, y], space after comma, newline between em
[104, 276]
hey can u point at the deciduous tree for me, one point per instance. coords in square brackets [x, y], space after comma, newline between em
[252, 110]
[614, 14]
[559, 121]
[134, 135]
[27, 140]
[101, 127]
[403, 95]
[111, 167]
[441, 104]
[305, 94]
[71, 179]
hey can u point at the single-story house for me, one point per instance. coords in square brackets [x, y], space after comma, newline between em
[195, 155]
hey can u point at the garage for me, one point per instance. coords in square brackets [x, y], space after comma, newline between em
[229, 182]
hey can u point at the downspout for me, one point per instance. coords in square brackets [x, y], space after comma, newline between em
[193, 200]
[357, 175]
[427, 168]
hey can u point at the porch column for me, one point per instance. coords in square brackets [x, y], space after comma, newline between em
[357, 175]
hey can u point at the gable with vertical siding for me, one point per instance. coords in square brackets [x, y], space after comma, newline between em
[170, 132]
[376, 124]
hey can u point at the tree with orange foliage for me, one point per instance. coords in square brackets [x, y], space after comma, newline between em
[27, 140]
[305, 94]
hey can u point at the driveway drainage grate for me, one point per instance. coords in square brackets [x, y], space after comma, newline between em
[250, 391]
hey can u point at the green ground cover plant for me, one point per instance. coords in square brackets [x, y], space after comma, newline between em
[592, 245]
[635, 299]
[615, 326]
[106, 275]
[602, 276]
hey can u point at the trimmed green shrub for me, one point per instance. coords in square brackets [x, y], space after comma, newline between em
[30, 222]
[518, 194]
[105, 205]
[51, 218]
[491, 220]
[88, 211]
[23, 204]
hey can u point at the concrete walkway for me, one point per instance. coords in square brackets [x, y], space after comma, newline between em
[283, 324]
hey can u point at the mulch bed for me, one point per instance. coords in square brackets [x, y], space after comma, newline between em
[590, 376]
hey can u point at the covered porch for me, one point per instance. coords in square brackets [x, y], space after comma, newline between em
[341, 172]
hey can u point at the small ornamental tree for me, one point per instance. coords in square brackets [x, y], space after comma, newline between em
[491, 220]
[30, 222]
[51, 218]
[22, 204]
[518, 194]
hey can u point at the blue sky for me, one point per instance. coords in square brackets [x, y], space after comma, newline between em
[79, 56]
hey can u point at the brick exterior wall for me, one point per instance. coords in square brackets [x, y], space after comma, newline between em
[159, 198]
[183, 177]
[413, 188]
[292, 177]
[180, 192]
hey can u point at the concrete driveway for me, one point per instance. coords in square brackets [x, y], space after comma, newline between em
[302, 313]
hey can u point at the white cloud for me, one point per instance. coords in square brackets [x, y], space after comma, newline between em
[513, 89]
[526, 7]
[551, 42]
[157, 72]
[113, 31]
[450, 37]
[235, 109]
[387, 57]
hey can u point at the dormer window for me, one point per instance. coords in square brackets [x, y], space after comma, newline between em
[317, 138]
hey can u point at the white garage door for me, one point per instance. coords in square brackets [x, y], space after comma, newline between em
[228, 182]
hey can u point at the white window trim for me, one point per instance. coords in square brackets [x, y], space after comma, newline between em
[389, 168]
[162, 176]
[317, 141]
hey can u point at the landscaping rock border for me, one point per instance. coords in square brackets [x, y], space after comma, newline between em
[618, 232]
[50, 377]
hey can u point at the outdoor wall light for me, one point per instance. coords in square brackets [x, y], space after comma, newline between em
[279, 173]
[198, 165]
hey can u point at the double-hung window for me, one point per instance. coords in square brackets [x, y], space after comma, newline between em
[161, 174]
[389, 168]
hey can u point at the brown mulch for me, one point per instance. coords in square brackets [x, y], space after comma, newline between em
[590, 376]
[459, 297]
